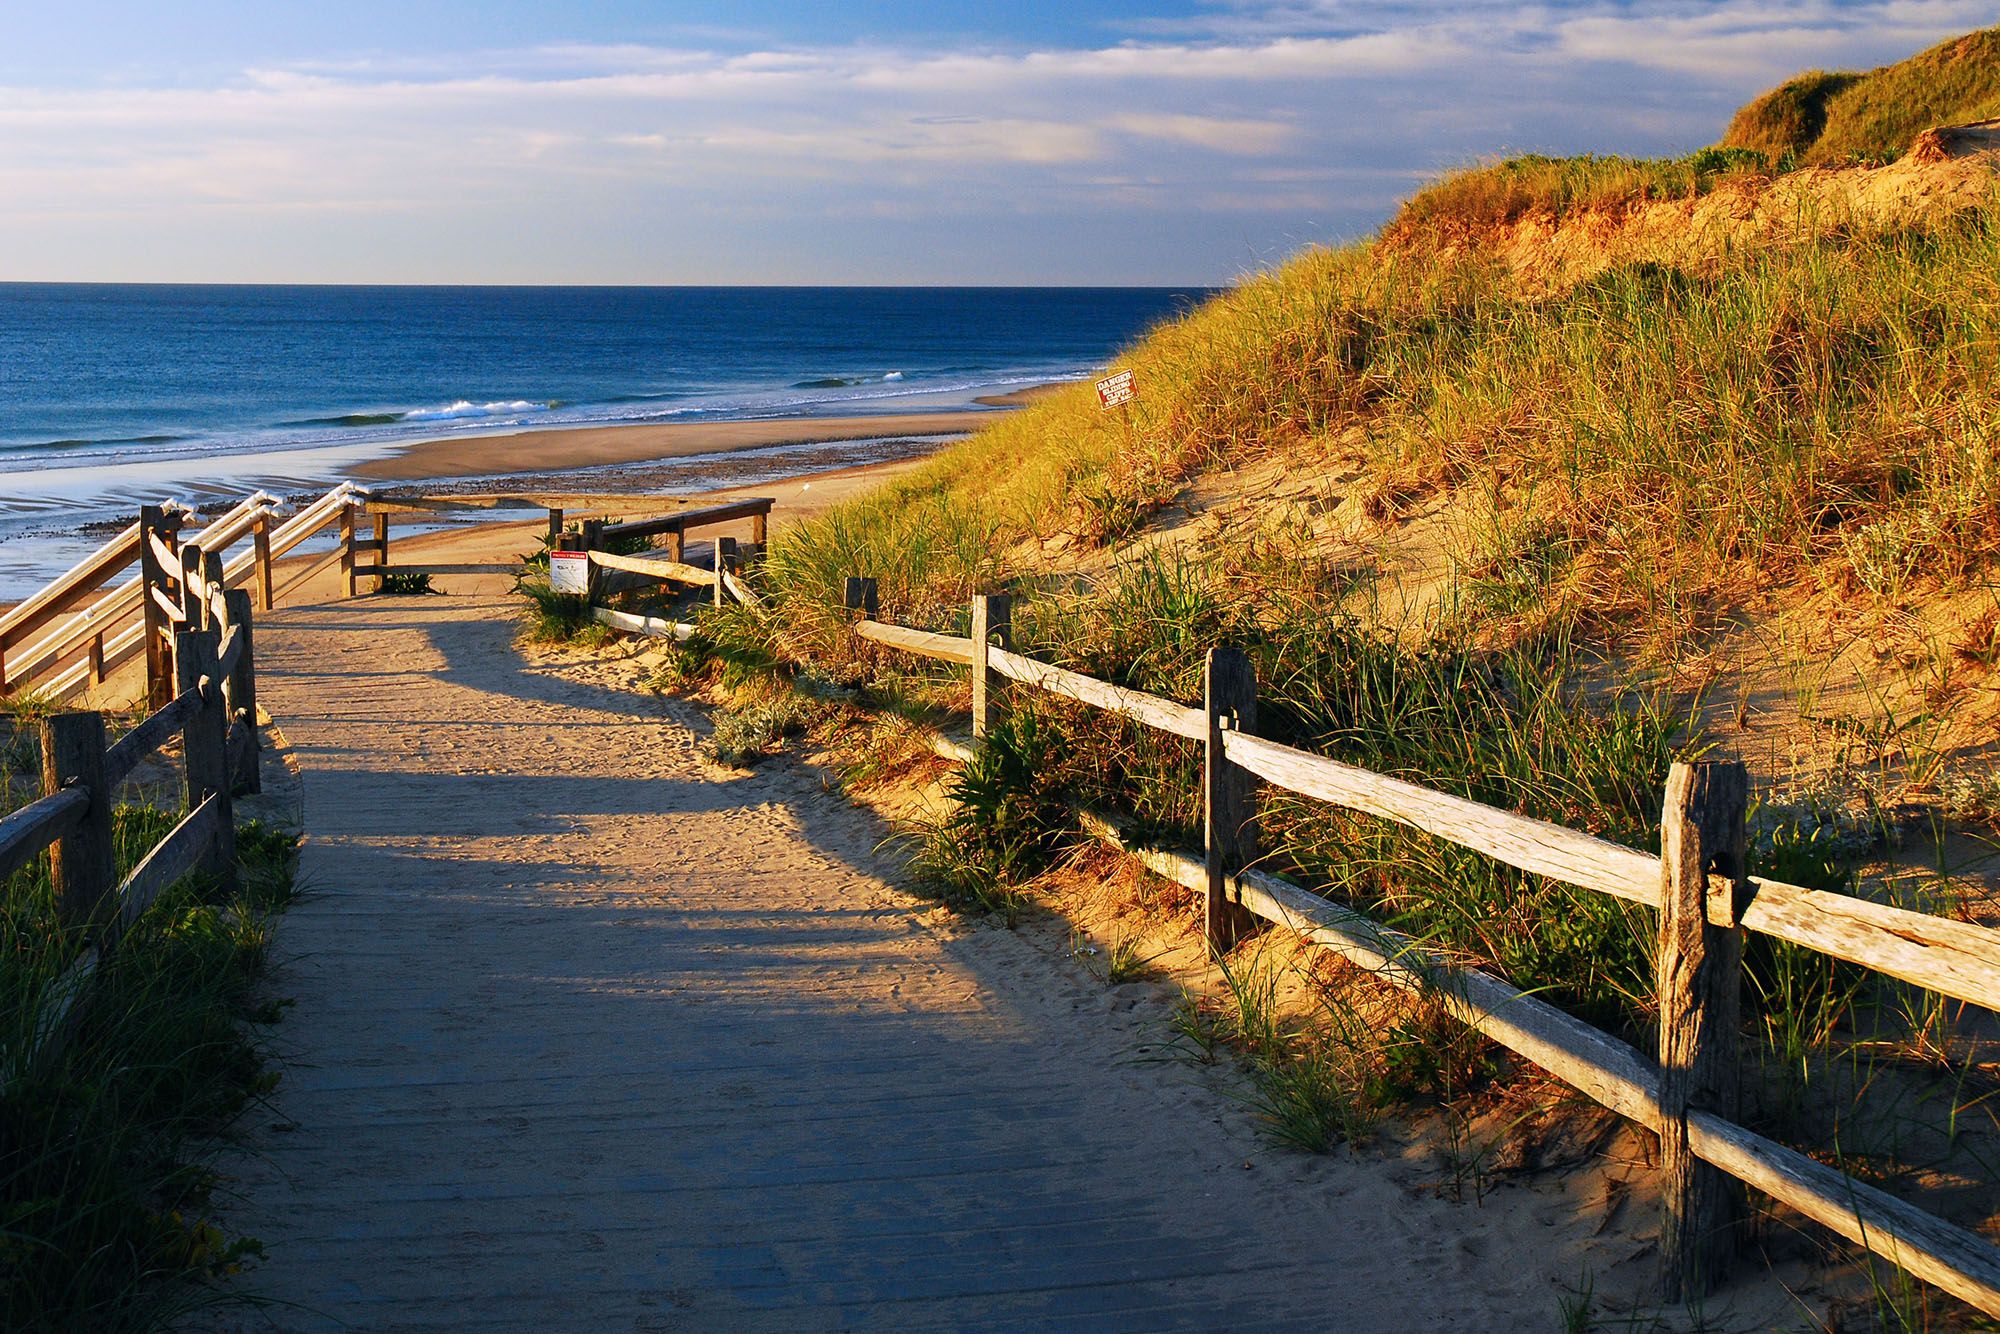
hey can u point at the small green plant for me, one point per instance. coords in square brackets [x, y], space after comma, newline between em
[1303, 1096]
[745, 735]
[681, 670]
[1125, 963]
[1006, 812]
[403, 583]
[1194, 1036]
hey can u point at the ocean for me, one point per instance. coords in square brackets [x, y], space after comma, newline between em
[111, 394]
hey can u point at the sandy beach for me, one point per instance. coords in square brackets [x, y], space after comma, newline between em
[541, 452]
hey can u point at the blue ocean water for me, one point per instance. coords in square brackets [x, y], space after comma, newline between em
[114, 373]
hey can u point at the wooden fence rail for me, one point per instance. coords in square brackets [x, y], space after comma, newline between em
[611, 572]
[1705, 900]
[72, 820]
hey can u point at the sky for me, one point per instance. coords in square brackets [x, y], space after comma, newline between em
[681, 141]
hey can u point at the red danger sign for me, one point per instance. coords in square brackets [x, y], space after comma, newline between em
[1113, 390]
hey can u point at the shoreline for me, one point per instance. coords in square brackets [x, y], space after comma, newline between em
[574, 449]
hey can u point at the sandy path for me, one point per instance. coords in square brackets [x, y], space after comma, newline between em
[591, 1034]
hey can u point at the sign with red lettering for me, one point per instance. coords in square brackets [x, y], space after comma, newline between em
[1114, 390]
[569, 571]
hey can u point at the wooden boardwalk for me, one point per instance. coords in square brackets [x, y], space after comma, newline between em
[589, 1034]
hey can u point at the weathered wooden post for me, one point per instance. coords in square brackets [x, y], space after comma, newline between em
[592, 539]
[555, 526]
[260, 538]
[84, 860]
[381, 550]
[97, 659]
[154, 576]
[725, 561]
[861, 599]
[211, 577]
[194, 597]
[677, 547]
[243, 686]
[205, 748]
[1229, 794]
[760, 527]
[1700, 979]
[350, 519]
[992, 619]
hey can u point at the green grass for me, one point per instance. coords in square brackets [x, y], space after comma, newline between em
[405, 583]
[106, 1196]
[1828, 119]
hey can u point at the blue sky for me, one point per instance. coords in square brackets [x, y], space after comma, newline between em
[1137, 141]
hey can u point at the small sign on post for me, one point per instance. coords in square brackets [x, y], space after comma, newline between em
[569, 572]
[1115, 390]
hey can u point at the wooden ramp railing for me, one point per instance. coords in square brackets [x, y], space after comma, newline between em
[69, 636]
[214, 711]
[1699, 886]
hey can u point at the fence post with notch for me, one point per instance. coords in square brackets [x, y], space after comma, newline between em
[1703, 891]
[861, 597]
[350, 520]
[243, 686]
[260, 539]
[84, 860]
[194, 595]
[205, 748]
[154, 576]
[725, 562]
[1229, 795]
[381, 550]
[992, 623]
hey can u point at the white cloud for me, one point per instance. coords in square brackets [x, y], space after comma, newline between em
[1244, 138]
[1280, 118]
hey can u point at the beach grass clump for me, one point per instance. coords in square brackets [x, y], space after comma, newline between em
[106, 1193]
[1480, 199]
[549, 617]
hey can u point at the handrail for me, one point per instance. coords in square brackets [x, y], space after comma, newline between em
[25, 832]
[124, 754]
[49, 661]
[81, 775]
[85, 576]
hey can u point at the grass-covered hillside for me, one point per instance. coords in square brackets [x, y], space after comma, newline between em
[1828, 119]
[1582, 465]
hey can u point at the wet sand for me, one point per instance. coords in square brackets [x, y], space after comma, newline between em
[541, 452]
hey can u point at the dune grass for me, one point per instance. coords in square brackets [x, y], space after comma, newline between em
[1646, 448]
[1830, 119]
[105, 1193]
[1466, 203]
[1823, 414]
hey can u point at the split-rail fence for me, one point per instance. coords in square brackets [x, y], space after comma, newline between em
[1699, 884]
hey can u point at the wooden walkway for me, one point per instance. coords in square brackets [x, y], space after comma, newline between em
[591, 1035]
